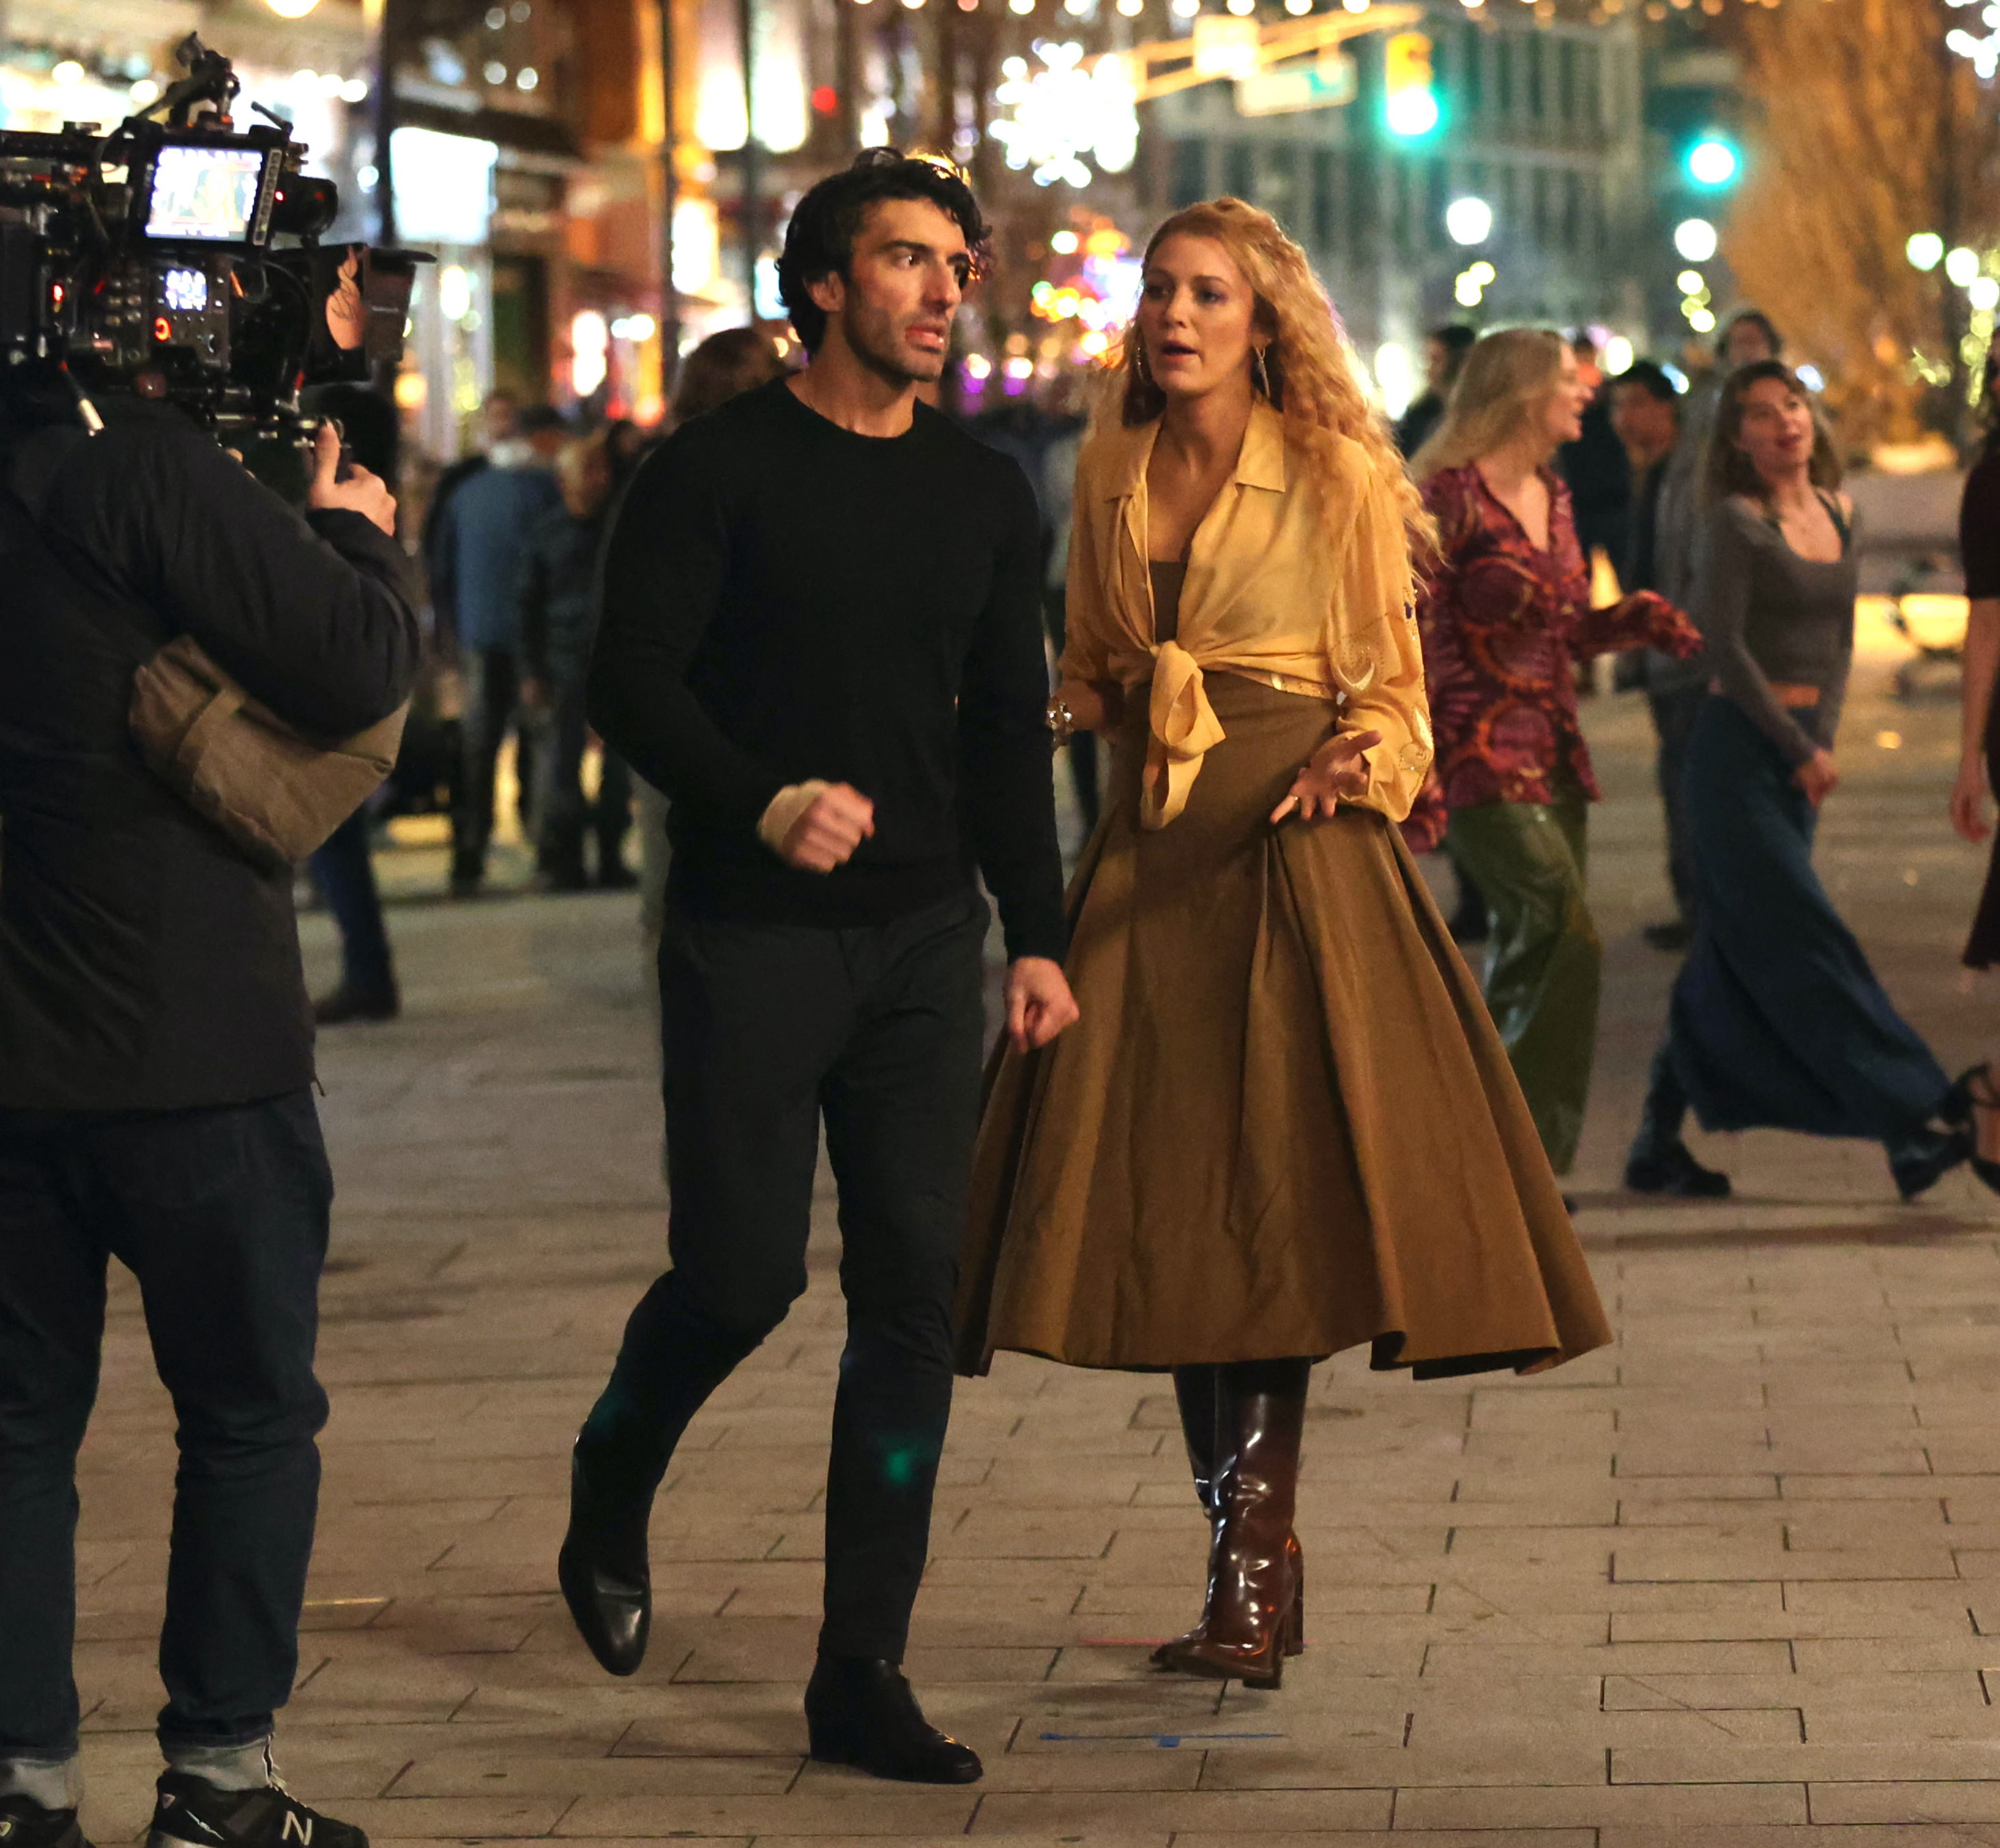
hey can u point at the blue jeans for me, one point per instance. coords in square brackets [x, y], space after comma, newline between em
[346, 874]
[221, 1215]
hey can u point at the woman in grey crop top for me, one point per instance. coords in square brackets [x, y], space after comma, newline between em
[1772, 616]
[1777, 1021]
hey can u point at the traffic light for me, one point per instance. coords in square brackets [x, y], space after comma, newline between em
[1713, 163]
[1410, 103]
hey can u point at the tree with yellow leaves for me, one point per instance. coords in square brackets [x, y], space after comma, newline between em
[1869, 129]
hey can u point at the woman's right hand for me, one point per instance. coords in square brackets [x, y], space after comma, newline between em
[1816, 777]
[1968, 798]
[1087, 705]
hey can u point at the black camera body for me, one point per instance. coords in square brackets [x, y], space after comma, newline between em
[145, 261]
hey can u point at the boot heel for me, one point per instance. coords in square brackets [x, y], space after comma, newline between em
[1295, 1643]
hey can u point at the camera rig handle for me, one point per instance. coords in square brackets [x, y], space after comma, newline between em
[210, 79]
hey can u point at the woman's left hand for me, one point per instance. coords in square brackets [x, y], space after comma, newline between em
[1337, 771]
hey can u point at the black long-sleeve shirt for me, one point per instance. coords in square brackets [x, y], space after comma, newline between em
[145, 964]
[785, 600]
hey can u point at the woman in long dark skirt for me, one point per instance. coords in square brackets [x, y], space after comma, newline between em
[1777, 1020]
[1979, 762]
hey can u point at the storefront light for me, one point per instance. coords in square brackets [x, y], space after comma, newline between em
[589, 343]
[455, 292]
[144, 93]
[291, 9]
[66, 73]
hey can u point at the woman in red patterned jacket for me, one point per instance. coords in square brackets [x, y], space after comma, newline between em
[1505, 615]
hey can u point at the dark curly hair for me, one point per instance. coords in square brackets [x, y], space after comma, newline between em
[819, 242]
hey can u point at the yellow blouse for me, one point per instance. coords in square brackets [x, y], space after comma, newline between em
[1268, 595]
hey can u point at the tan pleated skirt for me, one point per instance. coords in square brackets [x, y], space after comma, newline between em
[1284, 1124]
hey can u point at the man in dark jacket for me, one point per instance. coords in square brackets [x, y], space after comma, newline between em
[156, 1071]
[558, 621]
[479, 541]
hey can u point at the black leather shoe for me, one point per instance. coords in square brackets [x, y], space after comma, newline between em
[27, 1824]
[1673, 1169]
[1919, 1161]
[860, 1711]
[603, 1568]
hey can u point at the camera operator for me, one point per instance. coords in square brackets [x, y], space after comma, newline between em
[156, 1071]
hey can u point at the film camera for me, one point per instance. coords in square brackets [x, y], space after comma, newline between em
[146, 261]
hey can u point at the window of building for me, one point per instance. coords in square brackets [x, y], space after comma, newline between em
[1503, 74]
[1534, 49]
[1566, 81]
[1328, 182]
[1468, 58]
[1190, 172]
[1239, 169]
[1590, 83]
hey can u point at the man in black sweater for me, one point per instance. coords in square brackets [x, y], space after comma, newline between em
[156, 1070]
[821, 639]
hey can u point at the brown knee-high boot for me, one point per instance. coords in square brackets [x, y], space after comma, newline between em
[1254, 1616]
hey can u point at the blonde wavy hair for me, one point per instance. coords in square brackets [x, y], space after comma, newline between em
[1505, 376]
[1311, 383]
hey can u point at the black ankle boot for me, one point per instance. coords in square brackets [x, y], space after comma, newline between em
[860, 1711]
[1659, 1161]
[606, 1577]
[1921, 1159]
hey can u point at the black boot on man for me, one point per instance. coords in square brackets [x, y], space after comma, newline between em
[862, 1712]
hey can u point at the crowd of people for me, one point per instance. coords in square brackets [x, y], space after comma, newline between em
[1249, 1108]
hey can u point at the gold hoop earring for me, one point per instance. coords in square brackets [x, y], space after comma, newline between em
[1260, 374]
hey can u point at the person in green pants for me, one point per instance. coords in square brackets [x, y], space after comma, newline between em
[1505, 615]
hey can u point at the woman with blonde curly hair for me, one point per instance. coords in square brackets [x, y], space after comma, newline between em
[1285, 1126]
[1504, 614]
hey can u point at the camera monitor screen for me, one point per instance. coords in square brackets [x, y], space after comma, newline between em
[208, 194]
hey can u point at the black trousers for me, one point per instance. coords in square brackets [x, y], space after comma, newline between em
[345, 871]
[221, 1214]
[1673, 715]
[765, 1030]
[492, 702]
[561, 814]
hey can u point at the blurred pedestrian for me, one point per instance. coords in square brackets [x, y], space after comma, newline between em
[1284, 1126]
[1594, 466]
[1747, 336]
[558, 621]
[482, 537]
[345, 866]
[1979, 744]
[1043, 432]
[738, 359]
[1777, 1021]
[1445, 348]
[821, 639]
[1505, 614]
[1645, 411]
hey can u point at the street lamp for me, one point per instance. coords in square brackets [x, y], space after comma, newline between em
[1925, 250]
[1696, 239]
[1962, 266]
[1468, 220]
